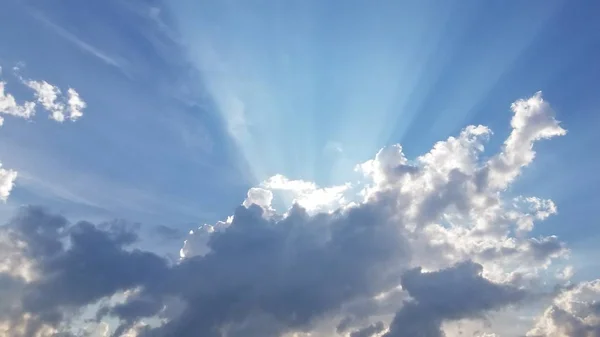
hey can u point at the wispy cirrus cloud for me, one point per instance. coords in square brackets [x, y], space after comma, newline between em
[81, 44]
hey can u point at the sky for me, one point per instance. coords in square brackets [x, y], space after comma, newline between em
[286, 168]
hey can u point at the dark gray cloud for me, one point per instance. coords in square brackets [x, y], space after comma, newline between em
[39, 230]
[94, 266]
[360, 313]
[450, 294]
[292, 270]
[262, 276]
[542, 248]
[289, 271]
[11, 288]
[76, 265]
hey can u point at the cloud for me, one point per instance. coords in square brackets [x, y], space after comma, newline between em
[50, 98]
[262, 267]
[75, 104]
[308, 194]
[47, 95]
[532, 120]
[168, 233]
[9, 106]
[260, 197]
[574, 313]
[426, 242]
[7, 181]
[449, 294]
[369, 331]
[84, 46]
[69, 266]
[197, 242]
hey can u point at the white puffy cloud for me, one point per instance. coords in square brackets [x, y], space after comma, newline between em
[533, 120]
[48, 96]
[75, 104]
[51, 99]
[9, 106]
[575, 312]
[260, 197]
[307, 194]
[196, 244]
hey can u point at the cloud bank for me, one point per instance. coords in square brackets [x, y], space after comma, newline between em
[426, 243]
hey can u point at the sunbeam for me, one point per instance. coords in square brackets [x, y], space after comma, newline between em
[305, 75]
[299, 168]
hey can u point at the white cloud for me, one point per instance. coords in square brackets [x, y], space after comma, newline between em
[566, 273]
[575, 312]
[7, 179]
[76, 105]
[260, 197]
[50, 98]
[308, 194]
[196, 243]
[533, 120]
[9, 106]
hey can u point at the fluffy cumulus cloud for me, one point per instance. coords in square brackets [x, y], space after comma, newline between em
[9, 105]
[425, 243]
[50, 98]
[75, 104]
[307, 194]
[574, 312]
[47, 95]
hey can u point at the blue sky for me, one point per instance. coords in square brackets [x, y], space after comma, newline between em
[311, 78]
[190, 103]
[145, 138]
